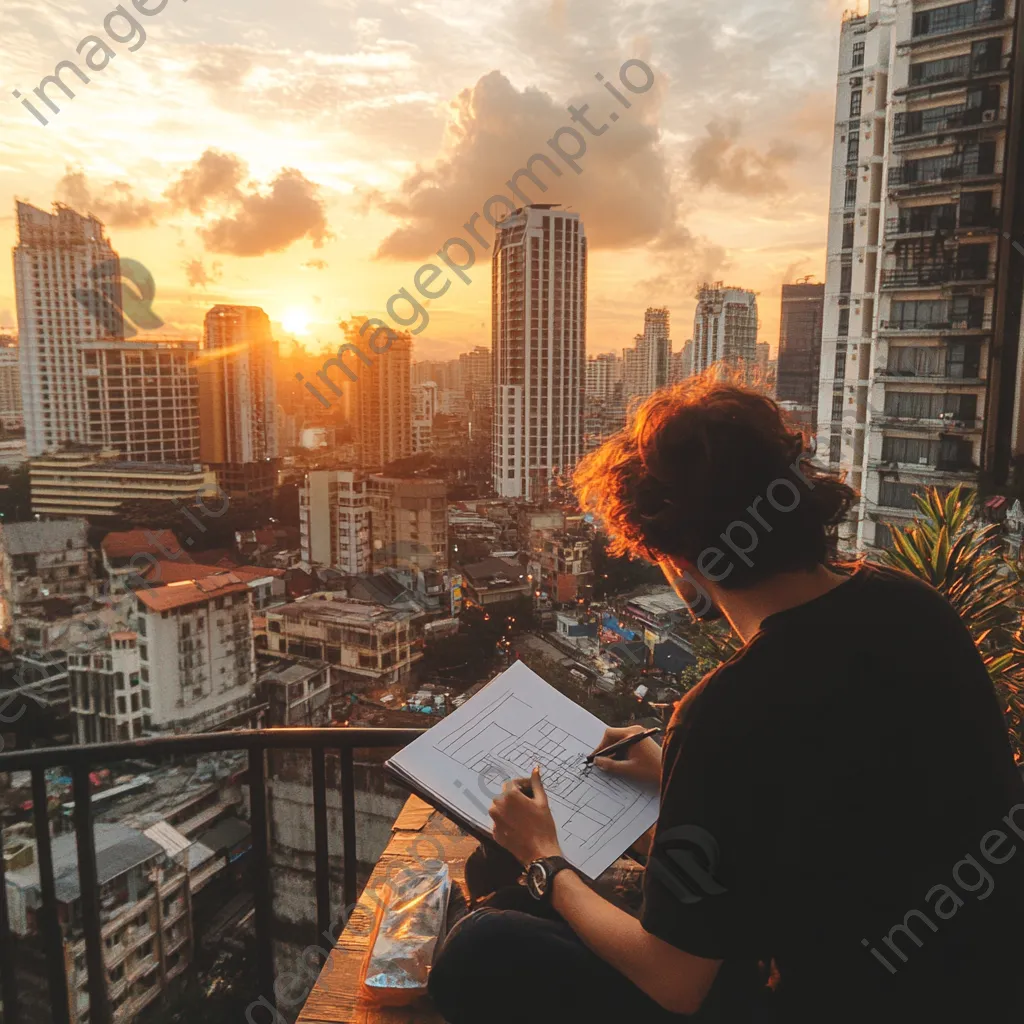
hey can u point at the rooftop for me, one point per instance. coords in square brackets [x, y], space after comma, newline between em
[129, 543]
[118, 850]
[168, 571]
[179, 595]
[339, 609]
[34, 538]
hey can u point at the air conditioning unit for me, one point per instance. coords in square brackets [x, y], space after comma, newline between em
[923, 461]
[988, 116]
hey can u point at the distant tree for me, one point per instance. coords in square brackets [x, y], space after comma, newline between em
[959, 556]
[15, 495]
[614, 575]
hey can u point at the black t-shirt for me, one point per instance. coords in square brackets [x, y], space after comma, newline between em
[833, 798]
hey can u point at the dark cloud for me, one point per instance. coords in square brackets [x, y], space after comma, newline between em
[199, 277]
[214, 177]
[270, 222]
[720, 161]
[117, 205]
[623, 191]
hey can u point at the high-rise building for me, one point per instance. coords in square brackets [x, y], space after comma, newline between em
[143, 399]
[921, 351]
[477, 380]
[357, 522]
[335, 520]
[67, 281]
[799, 358]
[381, 405]
[237, 400]
[682, 362]
[12, 415]
[425, 406]
[724, 328]
[539, 328]
[648, 365]
[603, 373]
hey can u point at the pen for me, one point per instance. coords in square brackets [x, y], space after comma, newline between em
[621, 745]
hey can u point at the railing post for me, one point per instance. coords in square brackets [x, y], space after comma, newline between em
[262, 904]
[8, 980]
[49, 923]
[348, 826]
[99, 1005]
[323, 879]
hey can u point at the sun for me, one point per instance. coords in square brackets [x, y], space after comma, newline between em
[295, 321]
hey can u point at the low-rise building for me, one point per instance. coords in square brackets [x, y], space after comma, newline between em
[364, 642]
[91, 483]
[146, 922]
[108, 700]
[495, 581]
[127, 554]
[41, 562]
[196, 651]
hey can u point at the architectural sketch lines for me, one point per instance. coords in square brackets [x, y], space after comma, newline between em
[589, 807]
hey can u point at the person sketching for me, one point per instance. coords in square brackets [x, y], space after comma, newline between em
[841, 829]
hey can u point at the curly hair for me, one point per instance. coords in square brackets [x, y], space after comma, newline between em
[702, 458]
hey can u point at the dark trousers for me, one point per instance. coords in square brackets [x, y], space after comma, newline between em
[504, 964]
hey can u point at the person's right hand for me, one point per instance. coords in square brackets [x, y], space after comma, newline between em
[641, 763]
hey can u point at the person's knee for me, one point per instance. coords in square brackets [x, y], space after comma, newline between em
[466, 965]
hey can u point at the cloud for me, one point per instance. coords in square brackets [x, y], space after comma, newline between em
[199, 277]
[215, 176]
[271, 222]
[118, 207]
[720, 161]
[253, 221]
[315, 265]
[623, 192]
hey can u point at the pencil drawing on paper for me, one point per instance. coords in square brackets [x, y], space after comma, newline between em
[589, 807]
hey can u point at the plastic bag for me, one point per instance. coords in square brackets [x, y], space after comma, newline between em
[410, 921]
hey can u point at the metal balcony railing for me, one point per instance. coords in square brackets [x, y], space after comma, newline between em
[84, 759]
[954, 167]
[943, 224]
[929, 25]
[952, 68]
[931, 275]
[920, 123]
[946, 323]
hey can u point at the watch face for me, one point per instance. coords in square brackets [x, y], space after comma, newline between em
[537, 879]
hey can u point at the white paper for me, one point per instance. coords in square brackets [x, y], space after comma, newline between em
[514, 723]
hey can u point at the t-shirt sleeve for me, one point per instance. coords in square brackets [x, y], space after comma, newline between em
[697, 885]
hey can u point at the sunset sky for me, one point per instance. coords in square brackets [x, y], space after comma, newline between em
[308, 157]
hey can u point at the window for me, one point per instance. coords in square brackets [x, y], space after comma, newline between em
[856, 98]
[144, 652]
[850, 198]
[848, 228]
[845, 278]
[844, 322]
[858, 55]
[835, 449]
[853, 148]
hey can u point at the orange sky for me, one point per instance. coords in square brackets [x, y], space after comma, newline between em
[310, 163]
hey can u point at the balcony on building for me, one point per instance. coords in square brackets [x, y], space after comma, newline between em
[937, 318]
[929, 127]
[939, 275]
[956, 21]
[974, 162]
[973, 214]
[986, 61]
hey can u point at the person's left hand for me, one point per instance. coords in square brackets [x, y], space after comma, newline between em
[523, 825]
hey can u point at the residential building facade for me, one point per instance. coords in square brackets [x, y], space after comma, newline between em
[539, 326]
[335, 520]
[12, 416]
[648, 365]
[196, 652]
[604, 372]
[237, 400]
[921, 360]
[67, 281]
[725, 328]
[799, 356]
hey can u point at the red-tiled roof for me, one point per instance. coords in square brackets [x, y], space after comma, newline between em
[174, 572]
[178, 595]
[126, 544]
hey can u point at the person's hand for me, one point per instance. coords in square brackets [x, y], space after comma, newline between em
[523, 825]
[641, 763]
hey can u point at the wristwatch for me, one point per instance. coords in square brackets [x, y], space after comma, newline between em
[541, 873]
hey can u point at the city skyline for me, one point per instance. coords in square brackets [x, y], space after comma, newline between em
[220, 218]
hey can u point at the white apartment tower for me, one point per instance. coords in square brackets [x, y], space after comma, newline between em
[67, 282]
[648, 366]
[724, 328]
[921, 360]
[604, 373]
[335, 520]
[539, 328]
